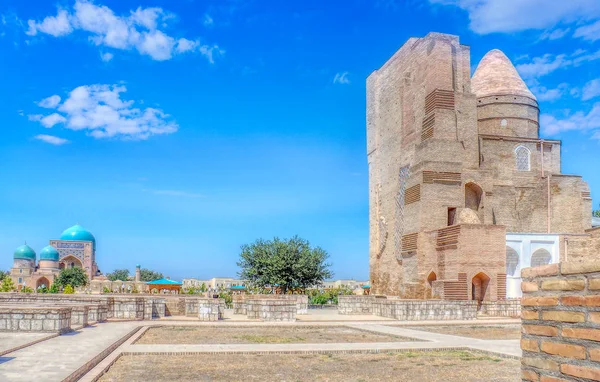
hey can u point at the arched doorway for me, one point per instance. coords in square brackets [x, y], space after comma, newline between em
[42, 281]
[540, 257]
[70, 262]
[429, 286]
[479, 286]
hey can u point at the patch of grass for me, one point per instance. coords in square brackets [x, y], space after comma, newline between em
[463, 355]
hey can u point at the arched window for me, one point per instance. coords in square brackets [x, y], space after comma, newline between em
[540, 257]
[523, 158]
[512, 261]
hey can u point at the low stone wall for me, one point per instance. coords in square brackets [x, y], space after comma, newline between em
[175, 306]
[154, 307]
[422, 310]
[240, 306]
[79, 315]
[357, 304]
[502, 308]
[97, 313]
[561, 322]
[35, 319]
[210, 309]
[271, 310]
[131, 308]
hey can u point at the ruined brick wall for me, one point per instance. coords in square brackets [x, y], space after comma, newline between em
[561, 322]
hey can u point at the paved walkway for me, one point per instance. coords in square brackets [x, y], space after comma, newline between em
[57, 358]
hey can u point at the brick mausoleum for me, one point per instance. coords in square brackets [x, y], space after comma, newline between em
[463, 191]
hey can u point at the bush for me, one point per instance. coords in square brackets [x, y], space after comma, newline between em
[68, 289]
[7, 285]
[106, 290]
[42, 289]
[54, 288]
[228, 298]
[26, 289]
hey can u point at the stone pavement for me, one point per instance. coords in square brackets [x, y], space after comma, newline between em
[11, 340]
[57, 358]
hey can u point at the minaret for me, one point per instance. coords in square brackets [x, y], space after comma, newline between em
[138, 274]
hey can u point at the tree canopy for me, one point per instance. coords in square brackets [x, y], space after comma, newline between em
[72, 276]
[148, 275]
[287, 264]
[596, 213]
[118, 274]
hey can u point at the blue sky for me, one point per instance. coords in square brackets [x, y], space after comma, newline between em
[177, 131]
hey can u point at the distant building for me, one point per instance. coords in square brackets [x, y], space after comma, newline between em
[216, 283]
[76, 247]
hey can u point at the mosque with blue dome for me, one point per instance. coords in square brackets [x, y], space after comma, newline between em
[76, 247]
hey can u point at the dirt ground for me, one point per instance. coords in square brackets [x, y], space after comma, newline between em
[261, 335]
[447, 366]
[503, 332]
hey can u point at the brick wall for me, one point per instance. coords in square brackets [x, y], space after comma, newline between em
[561, 322]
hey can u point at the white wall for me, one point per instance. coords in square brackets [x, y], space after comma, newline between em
[525, 244]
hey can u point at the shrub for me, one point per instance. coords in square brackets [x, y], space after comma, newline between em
[54, 288]
[68, 289]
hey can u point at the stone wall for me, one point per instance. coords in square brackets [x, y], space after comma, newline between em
[504, 308]
[35, 319]
[210, 309]
[415, 310]
[271, 310]
[301, 301]
[561, 322]
[128, 308]
[356, 304]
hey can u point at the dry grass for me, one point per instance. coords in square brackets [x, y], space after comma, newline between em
[261, 335]
[447, 366]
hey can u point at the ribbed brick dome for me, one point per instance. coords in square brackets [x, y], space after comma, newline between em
[496, 75]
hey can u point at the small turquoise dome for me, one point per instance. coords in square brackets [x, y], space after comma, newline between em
[78, 233]
[25, 252]
[49, 253]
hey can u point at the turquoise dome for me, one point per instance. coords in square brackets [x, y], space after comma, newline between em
[49, 253]
[78, 233]
[25, 252]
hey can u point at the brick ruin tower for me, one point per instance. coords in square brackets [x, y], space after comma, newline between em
[454, 164]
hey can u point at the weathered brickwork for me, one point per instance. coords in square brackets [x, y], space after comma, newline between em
[561, 322]
[210, 309]
[454, 163]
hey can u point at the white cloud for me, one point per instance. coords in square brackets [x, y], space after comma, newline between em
[590, 121]
[589, 32]
[341, 78]
[554, 34]
[106, 57]
[100, 111]
[544, 94]
[548, 63]
[50, 102]
[139, 30]
[56, 26]
[52, 120]
[51, 139]
[507, 16]
[591, 90]
[208, 20]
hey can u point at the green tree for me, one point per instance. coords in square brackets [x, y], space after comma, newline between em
[26, 289]
[203, 288]
[148, 275]
[118, 274]
[75, 277]
[7, 285]
[596, 213]
[68, 289]
[4, 274]
[288, 264]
